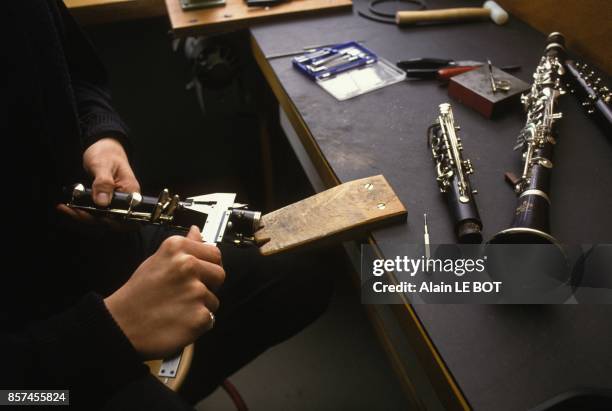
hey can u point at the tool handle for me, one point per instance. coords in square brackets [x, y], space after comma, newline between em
[463, 13]
[424, 63]
[447, 73]
[428, 74]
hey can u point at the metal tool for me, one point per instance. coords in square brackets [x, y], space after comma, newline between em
[432, 68]
[438, 63]
[219, 218]
[335, 63]
[426, 238]
[314, 54]
[305, 49]
[503, 85]
[294, 53]
[348, 52]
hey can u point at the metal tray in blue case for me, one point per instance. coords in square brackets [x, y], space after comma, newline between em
[328, 61]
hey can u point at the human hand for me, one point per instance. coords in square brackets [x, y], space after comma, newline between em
[108, 164]
[167, 302]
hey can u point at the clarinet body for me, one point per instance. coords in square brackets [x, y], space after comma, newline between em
[219, 218]
[453, 176]
[536, 141]
[595, 97]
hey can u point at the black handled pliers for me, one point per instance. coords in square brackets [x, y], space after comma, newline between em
[432, 68]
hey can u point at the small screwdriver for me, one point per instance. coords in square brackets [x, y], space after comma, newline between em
[426, 239]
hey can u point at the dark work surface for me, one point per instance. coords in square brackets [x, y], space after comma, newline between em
[503, 357]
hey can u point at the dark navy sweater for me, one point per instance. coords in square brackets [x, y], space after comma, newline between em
[54, 331]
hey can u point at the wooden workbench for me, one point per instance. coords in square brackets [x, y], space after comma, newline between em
[476, 356]
[89, 12]
[236, 14]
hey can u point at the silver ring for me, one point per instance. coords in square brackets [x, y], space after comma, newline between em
[534, 192]
[212, 320]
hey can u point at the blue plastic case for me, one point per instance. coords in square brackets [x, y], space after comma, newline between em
[328, 61]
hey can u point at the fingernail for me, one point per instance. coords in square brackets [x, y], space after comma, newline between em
[103, 198]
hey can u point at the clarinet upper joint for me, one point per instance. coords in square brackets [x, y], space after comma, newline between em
[452, 175]
[447, 152]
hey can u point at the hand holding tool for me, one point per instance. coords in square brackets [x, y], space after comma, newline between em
[219, 218]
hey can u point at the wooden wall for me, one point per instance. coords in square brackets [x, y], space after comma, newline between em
[586, 24]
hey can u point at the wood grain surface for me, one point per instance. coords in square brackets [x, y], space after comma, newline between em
[73, 4]
[88, 12]
[174, 383]
[585, 24]
[236, 14]
[348, 209]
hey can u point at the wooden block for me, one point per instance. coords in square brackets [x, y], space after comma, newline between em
[474, 90]
[349, 209]
[183, 369]
[237, 15]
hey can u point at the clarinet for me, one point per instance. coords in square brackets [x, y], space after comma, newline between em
[452, 176]
[595, 97]
[536, 141]
[219, 218]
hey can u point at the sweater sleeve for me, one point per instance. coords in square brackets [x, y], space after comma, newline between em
[97, 117]
[82, 348]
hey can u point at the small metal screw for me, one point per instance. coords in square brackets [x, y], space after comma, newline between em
[369, 186]
[381, 206]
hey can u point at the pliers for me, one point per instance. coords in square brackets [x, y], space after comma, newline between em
[441, 69]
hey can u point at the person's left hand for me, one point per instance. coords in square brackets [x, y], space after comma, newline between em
[108, 164]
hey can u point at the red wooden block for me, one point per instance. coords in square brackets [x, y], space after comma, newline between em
[474, 90]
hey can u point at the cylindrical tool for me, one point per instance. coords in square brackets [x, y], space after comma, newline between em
[489, 9]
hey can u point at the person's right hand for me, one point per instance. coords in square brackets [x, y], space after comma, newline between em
[167, 302]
